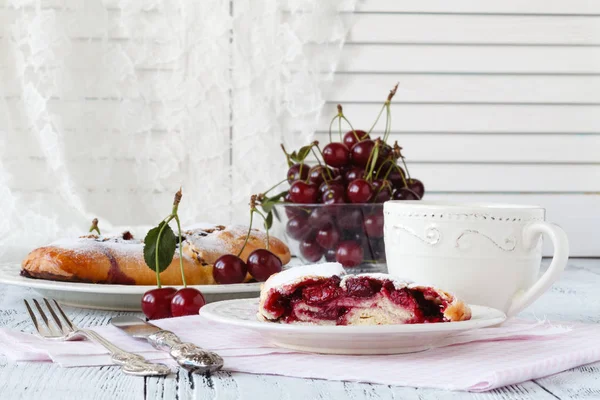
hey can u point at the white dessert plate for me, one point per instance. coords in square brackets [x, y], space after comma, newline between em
[379, 339]
[113, 297]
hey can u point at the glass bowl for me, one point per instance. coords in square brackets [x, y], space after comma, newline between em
[351, 234]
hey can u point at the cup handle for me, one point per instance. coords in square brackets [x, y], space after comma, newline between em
[531, 234]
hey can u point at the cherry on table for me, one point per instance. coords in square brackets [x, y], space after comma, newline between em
[156, 303]
[353, 137]
[229, 269]
[359, 191]
[336, 154]
[405, 194]
[361, 152]
[304, 193]
[262, 264]
[187, 301]
[349, 254]
[310, 250]
[297, 172]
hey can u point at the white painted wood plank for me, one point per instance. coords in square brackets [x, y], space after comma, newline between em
[578, 215]
[507, 177]
[470, 118]
[469, 59]
[356, 87]
[415, 28]
[478, 6]
[489, 147]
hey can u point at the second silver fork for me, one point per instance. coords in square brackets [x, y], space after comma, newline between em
[63, 329]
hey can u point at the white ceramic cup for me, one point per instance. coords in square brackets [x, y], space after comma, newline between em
[486, 254]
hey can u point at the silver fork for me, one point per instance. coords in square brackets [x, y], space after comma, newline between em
[65, 330]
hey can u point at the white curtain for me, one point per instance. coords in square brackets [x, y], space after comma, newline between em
[107, 107]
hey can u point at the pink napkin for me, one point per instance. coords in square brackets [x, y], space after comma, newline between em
[478, 360]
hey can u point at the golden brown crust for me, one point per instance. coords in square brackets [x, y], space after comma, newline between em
[92, 260]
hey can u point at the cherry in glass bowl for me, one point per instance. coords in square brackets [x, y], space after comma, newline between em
[351, 234]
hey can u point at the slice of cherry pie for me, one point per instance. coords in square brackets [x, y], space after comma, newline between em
[323, 294]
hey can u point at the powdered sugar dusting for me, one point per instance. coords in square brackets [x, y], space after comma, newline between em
[295, 274]
[203, 239]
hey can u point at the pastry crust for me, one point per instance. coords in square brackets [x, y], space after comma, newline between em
[120, 260]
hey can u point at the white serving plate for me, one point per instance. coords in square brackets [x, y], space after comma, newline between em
[380, 339]
[113, 297]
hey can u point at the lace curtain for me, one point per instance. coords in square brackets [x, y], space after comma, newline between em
[108, 107]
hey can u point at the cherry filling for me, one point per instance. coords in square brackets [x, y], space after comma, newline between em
[324, 299]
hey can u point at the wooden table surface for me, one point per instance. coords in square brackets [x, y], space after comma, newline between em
[576, 297]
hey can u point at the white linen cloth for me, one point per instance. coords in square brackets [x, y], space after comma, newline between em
[478, 360]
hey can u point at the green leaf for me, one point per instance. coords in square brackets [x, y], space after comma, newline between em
[303, 152]
[269, 220]
[166, 249]
[268, 203]
[294, 156]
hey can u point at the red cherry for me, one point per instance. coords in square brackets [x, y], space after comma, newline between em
[318, 174]
[350, 219]
[336, 154]
[374, 226]
[382, 190]
[353, 137]
[349, 254]
[384, 154]
[395, 176]
[156, 303]
[361, 151]
[405, 194]
[334, 195]
[229, 269]
[297, 172]
[310, 250]
[328, 237]
[337, 181]
[359, 191]
[354, 173]
[330, 255]
[416, 186]
[262, 264]
[304, 193]
[297, 227]
[320, 217]
[187, 301]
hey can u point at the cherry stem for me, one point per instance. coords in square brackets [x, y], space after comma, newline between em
[330, 125]
[94, 226]
[377, 120]
[316, 156]
[342, 116]
[160, 232]
[372, 160]
[265, 221]
[279, 183]
[388, 123]
[406, 168]
[247, 235]
[180, 252]
[340, 129]
[287, 156]
[316, 144]
[385, 103]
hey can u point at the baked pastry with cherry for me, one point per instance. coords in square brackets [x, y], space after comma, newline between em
[120, 259]
[322, 294]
